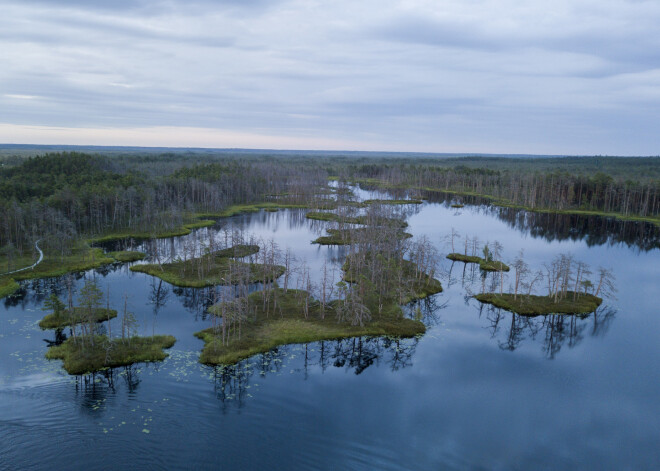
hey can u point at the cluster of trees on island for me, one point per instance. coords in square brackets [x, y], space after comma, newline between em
[570, 288]
[87, 350]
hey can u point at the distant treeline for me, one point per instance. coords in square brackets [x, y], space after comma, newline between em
[60, 197]
[57, 197]
[558, 190]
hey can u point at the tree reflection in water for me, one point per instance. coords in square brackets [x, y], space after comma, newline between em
[594, 230]
[94, 389]
[554, 331]
[232, 383]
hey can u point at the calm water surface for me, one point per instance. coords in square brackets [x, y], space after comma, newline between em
[481, 390]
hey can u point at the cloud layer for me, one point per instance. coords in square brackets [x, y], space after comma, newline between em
[571, 76]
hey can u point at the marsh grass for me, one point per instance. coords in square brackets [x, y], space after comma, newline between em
[265, 329]
[219, 271]
[107, 353]
[8, 286]
[532, 305]
[79, 315]
[485, 265]
[127, 255]
[344, 236]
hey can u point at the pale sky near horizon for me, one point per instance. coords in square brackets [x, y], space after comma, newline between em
[491, 76]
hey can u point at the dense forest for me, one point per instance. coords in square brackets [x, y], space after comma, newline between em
[556, 190]
[58, 198]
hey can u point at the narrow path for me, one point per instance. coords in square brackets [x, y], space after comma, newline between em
[41, 257]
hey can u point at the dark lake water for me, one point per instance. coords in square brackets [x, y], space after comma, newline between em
[481, 390]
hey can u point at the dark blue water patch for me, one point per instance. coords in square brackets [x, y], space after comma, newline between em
[482, 389]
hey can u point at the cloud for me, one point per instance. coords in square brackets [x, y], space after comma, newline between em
[477, 75]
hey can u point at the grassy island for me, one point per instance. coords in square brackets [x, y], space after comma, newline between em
[393, 202]
[265, 329]
[378, 221]
[8, 286]
[486, 265]
[218, 268]
[250, 208]
[344, 236]
[532, 305]
[237, 251]
[419, 284]
[108, 353]
[161, 233]
[79, 315]
[127, 256]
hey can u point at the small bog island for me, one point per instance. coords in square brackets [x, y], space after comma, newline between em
[86, 350]
[570, 289]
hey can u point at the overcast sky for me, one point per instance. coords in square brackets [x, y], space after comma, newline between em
[500, 76]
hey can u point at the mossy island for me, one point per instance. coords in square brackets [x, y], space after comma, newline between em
[393, 202]
[364, 220]
[86, 350]
[75, 316]
[237, 251]
[532, 305]
[85, 356]
[127, 256]
[570, 288]
[346, 236]
[215, 268]
[486, 265]
[8, 286]
[282, 320]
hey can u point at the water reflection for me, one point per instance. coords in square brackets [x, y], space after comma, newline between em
[594, 230]
[233, 383]
[552, 331]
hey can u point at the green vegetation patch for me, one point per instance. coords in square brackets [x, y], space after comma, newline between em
[365, 220]
[249, 208]
[265, 329]
[79, 315]
[493, 265]
[322, 216]
[532, 305]
[127, 255]
[107, 353]
[211, 271]
[161, 233]
[393, 202]
[82, 258]
[8, 286]
[420, 285]
[237, 251]
[486, 265]
[344, 236]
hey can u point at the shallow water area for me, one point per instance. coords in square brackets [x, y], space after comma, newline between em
[482, 389]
